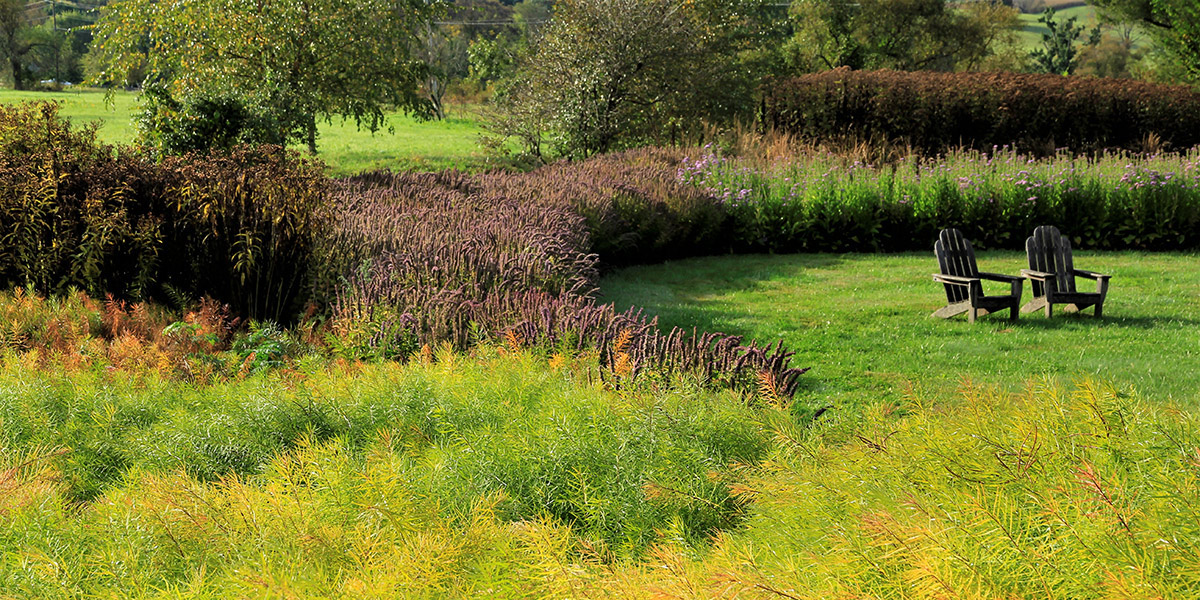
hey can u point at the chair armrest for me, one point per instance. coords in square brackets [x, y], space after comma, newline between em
[999, 277]
[1039, 275]
[954, 279]
[1091, 274]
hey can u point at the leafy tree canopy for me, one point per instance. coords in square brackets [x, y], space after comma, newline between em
[908, 35]
[1173, 24]
[608, 74]
[291, 62]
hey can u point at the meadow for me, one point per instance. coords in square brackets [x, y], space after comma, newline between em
[411, 144]
[415, 384]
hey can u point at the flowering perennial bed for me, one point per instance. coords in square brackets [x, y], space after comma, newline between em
[826, 203]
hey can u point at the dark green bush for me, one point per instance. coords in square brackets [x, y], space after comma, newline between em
[76, 213]
[202, 121]
[69, 213]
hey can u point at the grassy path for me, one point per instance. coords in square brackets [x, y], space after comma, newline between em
[862, 322]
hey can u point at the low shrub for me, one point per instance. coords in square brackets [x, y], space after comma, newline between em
[504, 427]
[242, 226]
[935, 112]
[203, 344]
[200, 122]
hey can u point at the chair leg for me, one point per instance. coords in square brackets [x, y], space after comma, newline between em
[1099, 309]
[1017, 287]
[1049, 309]
[971, 312]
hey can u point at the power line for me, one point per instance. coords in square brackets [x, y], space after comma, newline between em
[491, 22]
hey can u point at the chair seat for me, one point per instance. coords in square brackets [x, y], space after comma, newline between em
[1004, 299]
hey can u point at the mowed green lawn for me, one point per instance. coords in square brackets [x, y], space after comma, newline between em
[862, 322]
[411, 145]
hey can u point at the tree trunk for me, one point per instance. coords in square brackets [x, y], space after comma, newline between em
[312, 134]
[18, 76]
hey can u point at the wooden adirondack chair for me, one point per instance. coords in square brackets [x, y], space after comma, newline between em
[1052, 275]
[964, 282]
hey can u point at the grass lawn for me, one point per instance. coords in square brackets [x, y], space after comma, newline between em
[88, 105]
[862, 322]
[412, 145]
[1030, 35]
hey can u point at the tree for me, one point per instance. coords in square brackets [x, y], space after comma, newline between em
[1058, 51]
[1119, 53]
[13, 43]
[908, 35]
[445, 54]
[291, 62]
[1174, 25]
[615, 73]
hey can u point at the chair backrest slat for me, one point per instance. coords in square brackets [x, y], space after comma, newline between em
[1048, 251]
[956, 257]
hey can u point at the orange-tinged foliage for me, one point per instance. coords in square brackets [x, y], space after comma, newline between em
[75, 332]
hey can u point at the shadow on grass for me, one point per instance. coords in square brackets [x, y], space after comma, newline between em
[1065, 319]
[728, 274]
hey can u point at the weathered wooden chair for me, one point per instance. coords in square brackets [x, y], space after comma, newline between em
[1052, 275]
[964, 282]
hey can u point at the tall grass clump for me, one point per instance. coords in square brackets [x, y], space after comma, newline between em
[432, 258]
[1088, 493]
[820, 202]
[75, 213]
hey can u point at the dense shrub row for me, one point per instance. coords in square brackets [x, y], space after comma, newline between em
[822, 204]
[936, 111]
[77, 213]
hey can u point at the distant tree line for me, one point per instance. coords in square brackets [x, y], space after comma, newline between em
[564, 78]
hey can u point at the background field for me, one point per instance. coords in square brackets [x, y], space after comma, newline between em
[1032, 31]
[412, 145]
[862, 322]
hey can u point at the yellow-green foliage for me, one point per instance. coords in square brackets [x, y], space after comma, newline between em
[1045, 494]
[454, 475]
[504, 473]
[318, 523]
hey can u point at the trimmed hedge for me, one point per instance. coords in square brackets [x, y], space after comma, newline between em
[936, 111]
